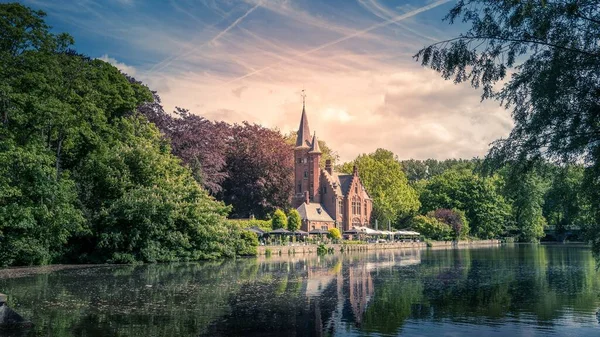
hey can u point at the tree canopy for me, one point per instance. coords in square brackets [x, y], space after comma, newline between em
[83, 176]
[381, 174]
[550, 52]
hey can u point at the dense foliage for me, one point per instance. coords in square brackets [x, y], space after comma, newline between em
[279, 220]
[486, 209]
[382, 175]
[335, 234]
[431, 227]
[245, 165]
[83, 177]
[294, 222]
[552, 51]
[456, 219]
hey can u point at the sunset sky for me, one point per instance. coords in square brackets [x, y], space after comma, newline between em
[249, 60]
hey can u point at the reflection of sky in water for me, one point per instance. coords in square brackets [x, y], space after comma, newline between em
[507, 291]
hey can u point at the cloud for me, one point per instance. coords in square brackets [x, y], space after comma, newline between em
[248, 60]
[129, 70]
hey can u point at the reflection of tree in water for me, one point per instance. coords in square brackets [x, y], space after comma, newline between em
[149, 300]
[310, 296]
[486, 285]
[280, 306]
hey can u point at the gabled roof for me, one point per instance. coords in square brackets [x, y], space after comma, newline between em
[314, 212]
[303, 137]
[314, 148]
[345, 182]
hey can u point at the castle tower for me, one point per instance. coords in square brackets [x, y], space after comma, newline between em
[306, 172]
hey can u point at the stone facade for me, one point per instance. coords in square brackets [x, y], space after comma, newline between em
[332, 199]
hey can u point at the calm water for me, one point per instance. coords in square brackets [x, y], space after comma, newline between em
[521, 290]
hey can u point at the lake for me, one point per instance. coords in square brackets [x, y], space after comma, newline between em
[511, 290]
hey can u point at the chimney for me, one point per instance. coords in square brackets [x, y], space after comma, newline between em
[328, 166]
[306, 198]
[355, 170]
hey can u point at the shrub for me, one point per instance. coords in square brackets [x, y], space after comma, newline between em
[431, 228]
[279, 219]
[454, 218]
[322, 249]
[294, 220]
[335, 234]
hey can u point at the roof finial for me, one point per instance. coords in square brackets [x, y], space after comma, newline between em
[303, 98]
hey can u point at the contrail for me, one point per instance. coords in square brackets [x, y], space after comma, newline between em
[383, 13]
[214, 39]
[347, 37]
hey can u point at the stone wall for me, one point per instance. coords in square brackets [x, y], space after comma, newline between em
[312, 249]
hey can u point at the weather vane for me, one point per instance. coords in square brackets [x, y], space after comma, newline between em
[303, 97]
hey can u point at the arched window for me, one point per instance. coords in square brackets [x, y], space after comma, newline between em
[356, 222]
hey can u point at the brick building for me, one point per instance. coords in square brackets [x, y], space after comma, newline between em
[324, 198]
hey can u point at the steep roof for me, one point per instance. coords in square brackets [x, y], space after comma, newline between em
[303, 138]
[314, 212]
[314, 148]
[345, 182]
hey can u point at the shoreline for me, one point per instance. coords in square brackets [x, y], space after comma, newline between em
[340, 247]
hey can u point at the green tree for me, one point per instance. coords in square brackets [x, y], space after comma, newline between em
[565, 202]
[382, 175]
[525, 191]
[431, 227]
[279, 219]
[485, 208]
[294, 222]
[551, 50]
[83, 177]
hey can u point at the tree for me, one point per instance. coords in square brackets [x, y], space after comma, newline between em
[198, 142]
[335, 234]
[294, 222]
[83, 176]
[260, 171]
[456, 219]
[426, 169]
[525, 191]
[279, 220]
[551, 48]
[381, 174]
[565, 202]
[485, 208]
[431, 227]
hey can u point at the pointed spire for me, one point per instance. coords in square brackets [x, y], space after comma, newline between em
[303, 139]
[314, 148]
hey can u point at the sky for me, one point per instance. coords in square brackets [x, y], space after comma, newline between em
[249, 60]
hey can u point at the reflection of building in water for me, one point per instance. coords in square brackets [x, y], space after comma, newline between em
[354, 285]
[306, 297]
[360, 284]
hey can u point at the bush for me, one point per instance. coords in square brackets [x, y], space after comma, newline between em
[335, 234]
[454, 218]
[294, 220]
[279, 219]
[431, 228]
[322, 249]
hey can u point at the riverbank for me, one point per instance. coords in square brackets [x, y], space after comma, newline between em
[312, 249]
